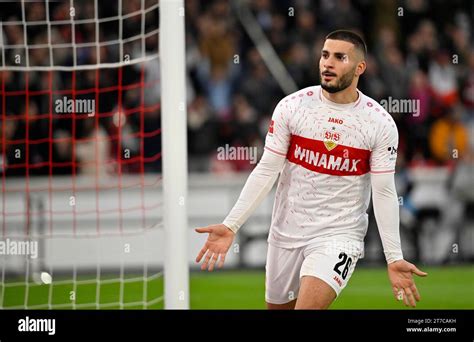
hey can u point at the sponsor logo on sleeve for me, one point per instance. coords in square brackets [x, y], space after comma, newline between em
[393, 153]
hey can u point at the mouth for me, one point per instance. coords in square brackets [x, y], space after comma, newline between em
[328, 76]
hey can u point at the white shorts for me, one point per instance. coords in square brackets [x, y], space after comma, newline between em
[285, 267]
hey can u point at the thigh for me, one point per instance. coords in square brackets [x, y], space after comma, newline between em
[323, 276]
[286, 306]
[315, 294]
[282, 276]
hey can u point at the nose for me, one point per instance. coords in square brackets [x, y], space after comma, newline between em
[328, 64]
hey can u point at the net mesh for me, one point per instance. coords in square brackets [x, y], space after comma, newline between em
[80, 155]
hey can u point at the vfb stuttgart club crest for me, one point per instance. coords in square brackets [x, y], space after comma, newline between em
[331, 139]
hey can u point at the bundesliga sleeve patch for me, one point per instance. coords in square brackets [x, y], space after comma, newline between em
[270, 128]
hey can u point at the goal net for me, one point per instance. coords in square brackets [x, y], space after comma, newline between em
[81, 158]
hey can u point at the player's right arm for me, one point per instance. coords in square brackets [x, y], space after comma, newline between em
[257, 186]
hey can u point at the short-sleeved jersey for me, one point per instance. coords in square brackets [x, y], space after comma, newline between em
[324, 188]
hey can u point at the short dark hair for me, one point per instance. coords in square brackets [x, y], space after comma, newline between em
[351, 37]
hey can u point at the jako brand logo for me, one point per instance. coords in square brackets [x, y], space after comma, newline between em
[337, 121]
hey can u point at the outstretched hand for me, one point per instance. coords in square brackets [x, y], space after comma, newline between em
[218, 243]
[400, 274]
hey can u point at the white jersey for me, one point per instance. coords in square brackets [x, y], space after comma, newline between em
[324, 188]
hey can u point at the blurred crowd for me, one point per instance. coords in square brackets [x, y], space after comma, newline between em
[417, 50]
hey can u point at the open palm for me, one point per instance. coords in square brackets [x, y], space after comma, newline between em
[218, 243]
[400, 274]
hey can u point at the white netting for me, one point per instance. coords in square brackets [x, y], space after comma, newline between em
[123, 48]
[82, 190]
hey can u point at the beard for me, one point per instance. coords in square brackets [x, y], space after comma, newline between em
[341, 84]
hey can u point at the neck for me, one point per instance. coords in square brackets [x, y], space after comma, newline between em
[347, 95]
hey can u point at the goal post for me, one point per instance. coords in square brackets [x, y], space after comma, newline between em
[93, 155]
[173, 118]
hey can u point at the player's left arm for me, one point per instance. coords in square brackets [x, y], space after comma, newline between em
[400, 272]
[385, 201]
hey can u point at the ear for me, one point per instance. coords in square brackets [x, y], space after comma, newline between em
[360, 69]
